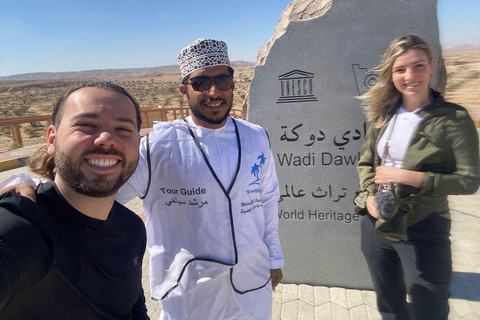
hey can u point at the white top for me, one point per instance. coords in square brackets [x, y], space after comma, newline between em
[405, 126]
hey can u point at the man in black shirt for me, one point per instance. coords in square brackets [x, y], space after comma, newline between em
[76, 253]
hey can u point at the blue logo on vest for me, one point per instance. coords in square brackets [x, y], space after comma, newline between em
[257, 169]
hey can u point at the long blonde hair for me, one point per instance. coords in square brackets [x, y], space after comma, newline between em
[383, 97]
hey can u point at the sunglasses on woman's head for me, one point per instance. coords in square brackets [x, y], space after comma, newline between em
[203, 83]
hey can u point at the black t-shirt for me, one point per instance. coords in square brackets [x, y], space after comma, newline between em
[58, 263]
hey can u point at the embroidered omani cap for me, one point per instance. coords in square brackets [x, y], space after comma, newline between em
[202, 53]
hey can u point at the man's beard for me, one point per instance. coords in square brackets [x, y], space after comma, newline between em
[194, 108]
[98, 187]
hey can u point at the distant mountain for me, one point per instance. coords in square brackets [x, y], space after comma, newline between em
[461, 48]
[105, 72]
[241, 63]
[90, 73]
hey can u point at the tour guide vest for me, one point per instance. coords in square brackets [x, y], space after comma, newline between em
[200, 228]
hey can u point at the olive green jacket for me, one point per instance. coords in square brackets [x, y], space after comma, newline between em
[445, 147]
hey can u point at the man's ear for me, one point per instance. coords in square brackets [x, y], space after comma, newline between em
[51, 135]
[183, 90]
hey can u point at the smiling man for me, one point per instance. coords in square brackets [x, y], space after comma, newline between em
[77, 254]
[212, 224]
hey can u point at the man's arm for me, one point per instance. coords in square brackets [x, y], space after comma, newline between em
[139, 309]
[270, 195]
[24, 252]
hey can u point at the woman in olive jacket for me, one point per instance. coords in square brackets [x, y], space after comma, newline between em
[430, 150]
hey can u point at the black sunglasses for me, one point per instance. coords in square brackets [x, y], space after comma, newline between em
[203, 83]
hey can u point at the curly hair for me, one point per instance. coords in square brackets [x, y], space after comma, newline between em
[42, 163]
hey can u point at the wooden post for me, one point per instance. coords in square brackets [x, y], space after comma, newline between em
[147, 123]
[16, 134]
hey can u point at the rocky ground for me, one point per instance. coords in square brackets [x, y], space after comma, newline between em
[22, 98]
[37, 97]
[463, 82]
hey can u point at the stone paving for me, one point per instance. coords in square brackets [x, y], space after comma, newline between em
[304, 302]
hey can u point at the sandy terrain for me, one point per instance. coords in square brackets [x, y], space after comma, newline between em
[21, 98]
[37, 97]
[463, 82]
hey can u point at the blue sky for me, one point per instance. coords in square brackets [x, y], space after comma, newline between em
[73, 35]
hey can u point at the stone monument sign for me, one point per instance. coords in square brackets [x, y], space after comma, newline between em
[303, 93]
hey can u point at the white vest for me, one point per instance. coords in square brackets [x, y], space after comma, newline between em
[198, 229]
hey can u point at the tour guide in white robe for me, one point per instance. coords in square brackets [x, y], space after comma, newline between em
[211, 199]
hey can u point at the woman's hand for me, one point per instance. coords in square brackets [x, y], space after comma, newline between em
[384, 174]
[371, 207]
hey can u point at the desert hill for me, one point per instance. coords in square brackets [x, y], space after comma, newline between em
[461, 48]
[170, 69]
[35, 94]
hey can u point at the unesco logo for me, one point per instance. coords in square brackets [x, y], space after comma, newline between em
[296, 86]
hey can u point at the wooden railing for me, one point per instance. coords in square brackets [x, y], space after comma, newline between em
[149, 115]
[15, 126]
